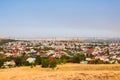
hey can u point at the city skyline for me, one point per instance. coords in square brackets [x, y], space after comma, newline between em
[63, 18]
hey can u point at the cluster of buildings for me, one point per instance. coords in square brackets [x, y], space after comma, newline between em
[104, 51]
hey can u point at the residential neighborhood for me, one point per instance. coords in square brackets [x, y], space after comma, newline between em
[103, 51]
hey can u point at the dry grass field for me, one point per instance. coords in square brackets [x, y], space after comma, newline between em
[63, 72]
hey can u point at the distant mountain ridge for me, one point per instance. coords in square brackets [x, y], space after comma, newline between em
[2, 39]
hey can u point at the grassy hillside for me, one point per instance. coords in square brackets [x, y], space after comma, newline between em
[63, 72]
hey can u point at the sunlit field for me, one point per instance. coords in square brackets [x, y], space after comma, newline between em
[63, 72]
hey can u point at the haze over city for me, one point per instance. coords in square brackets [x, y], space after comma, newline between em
[59, 18]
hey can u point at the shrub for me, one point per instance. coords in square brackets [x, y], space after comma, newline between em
[26, 63]
[65, 57]
[18, 61]
[2, 60]
[118, 61]
[53, 63]
[21, 60]
[78, 57]
[64, 61]
[38, 60]
[96, 61]
[45, 63]
[59, 61]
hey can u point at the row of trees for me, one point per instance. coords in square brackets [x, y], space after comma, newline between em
[45, 62]
[48, 62]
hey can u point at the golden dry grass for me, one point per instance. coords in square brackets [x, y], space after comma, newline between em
[63, 72]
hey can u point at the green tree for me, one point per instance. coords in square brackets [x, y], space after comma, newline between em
[38, 60]
[45, 63]
[53, 63]
[2, 62]
[78, 57]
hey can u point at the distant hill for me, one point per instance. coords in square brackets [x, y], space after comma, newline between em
[3, 41]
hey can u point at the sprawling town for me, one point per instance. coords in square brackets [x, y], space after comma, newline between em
[107, 52]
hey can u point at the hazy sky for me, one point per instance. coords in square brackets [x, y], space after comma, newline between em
[59, 18]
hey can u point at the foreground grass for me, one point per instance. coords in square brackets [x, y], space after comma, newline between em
[63, 72]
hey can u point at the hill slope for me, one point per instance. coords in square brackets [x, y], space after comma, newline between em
[63, 72]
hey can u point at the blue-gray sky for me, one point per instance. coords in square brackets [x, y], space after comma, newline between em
[59, 18]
